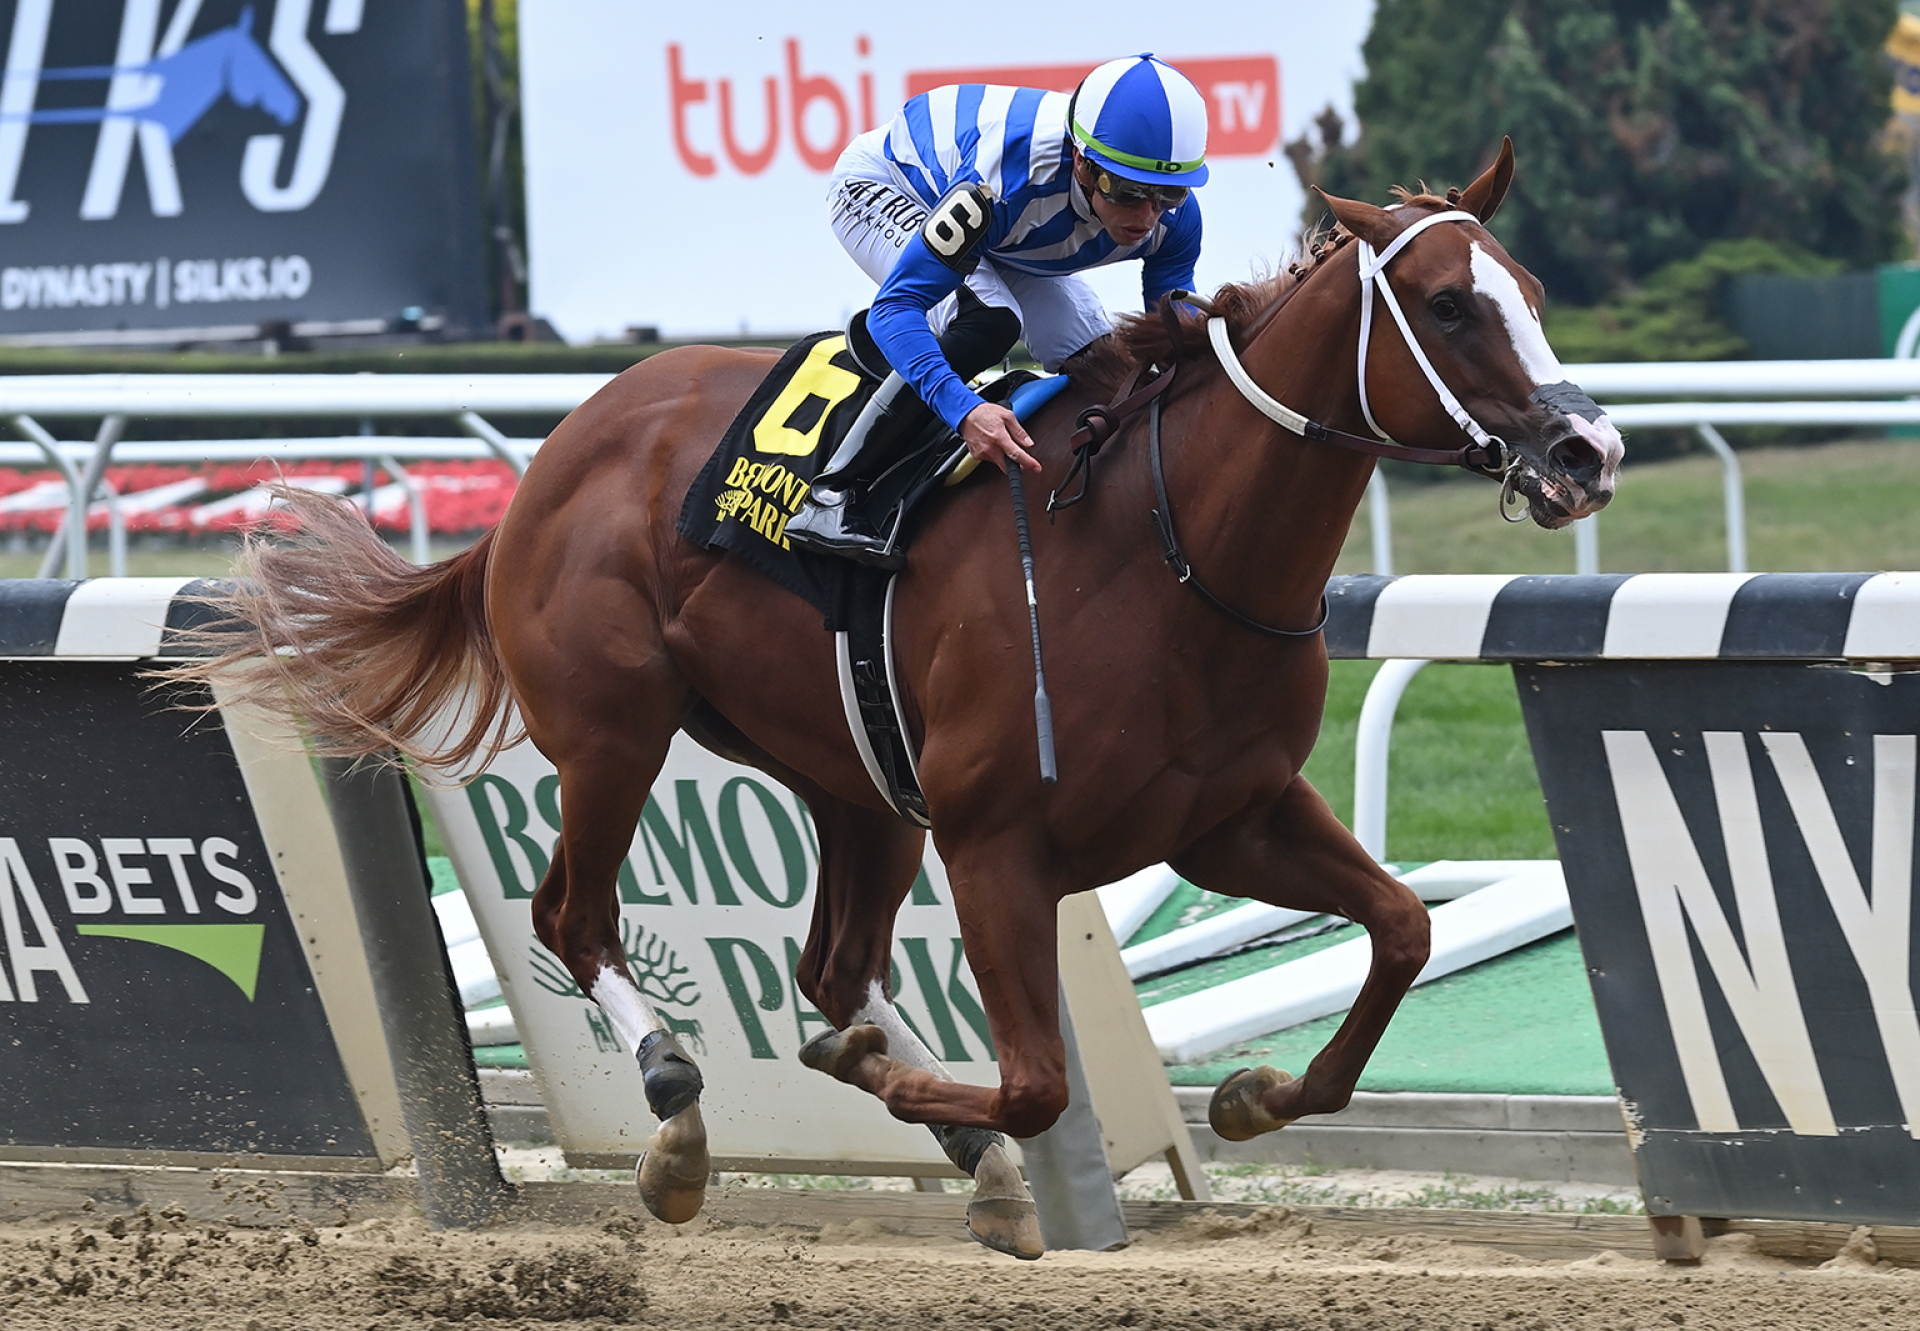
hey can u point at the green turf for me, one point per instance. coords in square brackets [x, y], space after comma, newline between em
[444, 878]
[1461, 784]
[1839, 506]
[1522, 1024]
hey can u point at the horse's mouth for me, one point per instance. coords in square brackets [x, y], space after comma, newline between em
[1574, 476]
[1554, 502]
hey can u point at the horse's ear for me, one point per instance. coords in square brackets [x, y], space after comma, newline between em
[1482, 198]
[1371, 224]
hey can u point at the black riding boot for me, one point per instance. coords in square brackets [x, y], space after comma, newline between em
[827, 524]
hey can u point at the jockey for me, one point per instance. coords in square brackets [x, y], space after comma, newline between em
[975, 210]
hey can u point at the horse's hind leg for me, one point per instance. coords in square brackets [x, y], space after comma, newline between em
[1297, 854]
[604, 779]
[868, 860]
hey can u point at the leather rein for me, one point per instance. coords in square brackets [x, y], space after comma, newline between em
[1488, 454]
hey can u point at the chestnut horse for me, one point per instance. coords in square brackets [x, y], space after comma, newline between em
[1181, 730]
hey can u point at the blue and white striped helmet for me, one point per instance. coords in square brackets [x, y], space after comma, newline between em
[1140, 118]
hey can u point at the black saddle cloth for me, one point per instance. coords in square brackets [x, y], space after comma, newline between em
[760, 473]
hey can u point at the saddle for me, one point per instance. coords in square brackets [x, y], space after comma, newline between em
[758, 477]
[759, 474]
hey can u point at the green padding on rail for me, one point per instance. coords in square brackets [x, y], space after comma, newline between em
[444, 878]
[1522, 1024]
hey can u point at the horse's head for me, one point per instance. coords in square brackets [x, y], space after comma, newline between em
[252, 77]
[1476, 315]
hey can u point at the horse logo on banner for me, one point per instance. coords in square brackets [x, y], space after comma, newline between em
[161, 86]
[174, 91]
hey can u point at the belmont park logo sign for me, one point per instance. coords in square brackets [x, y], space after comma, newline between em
[172, 892]
[716, 895]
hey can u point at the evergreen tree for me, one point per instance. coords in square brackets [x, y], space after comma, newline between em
[1644, 129]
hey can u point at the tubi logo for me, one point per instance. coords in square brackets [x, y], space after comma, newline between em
[152, 887]
[160, 86]
[819, 117]
[715, 117]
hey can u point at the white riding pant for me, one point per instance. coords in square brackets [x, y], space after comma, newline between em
[874, 216]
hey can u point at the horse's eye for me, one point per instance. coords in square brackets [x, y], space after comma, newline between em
[1446, 308]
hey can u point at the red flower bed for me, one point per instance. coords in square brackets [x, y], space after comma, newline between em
[459, 496]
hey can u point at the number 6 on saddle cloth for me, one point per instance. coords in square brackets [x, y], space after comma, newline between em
[888, 437]
[828, 414]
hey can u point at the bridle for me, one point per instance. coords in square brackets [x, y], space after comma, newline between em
[1488, 453]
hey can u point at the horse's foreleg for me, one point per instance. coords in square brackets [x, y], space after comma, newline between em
[576, 914]
[867, 865]
[879, 1053]
[1297, 854]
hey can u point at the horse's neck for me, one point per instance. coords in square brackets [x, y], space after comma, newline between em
[1266, 510]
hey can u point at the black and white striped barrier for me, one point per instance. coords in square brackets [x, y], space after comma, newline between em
[1627, 617]
[1729, 763]
[1458, 617]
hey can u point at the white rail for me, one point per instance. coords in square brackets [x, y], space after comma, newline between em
[1847, 381]
[1840, 393]
[295, 395]
[459, 398]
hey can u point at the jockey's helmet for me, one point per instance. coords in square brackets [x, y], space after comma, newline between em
[1141, 119]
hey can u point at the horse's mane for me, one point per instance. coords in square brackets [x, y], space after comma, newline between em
[1144, 339]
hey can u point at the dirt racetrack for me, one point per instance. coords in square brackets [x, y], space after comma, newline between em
[1263, 1268]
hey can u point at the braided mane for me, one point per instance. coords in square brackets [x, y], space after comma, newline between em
[1143, 339]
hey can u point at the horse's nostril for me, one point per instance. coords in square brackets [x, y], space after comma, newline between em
[1576, 459]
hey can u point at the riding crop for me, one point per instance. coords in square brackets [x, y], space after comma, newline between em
[1042, 706]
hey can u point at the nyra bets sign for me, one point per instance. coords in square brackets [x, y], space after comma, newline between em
[153, 993]
[716, 895]
[678, 157]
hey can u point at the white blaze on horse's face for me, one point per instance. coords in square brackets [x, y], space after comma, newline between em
[1496, 282]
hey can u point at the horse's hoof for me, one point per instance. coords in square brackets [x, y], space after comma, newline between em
[837, 1053]
[1237, 1111]
[1001, 1214]
[672, 1173]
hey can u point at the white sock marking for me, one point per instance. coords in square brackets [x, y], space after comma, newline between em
[902, 1043]
[632, 1016]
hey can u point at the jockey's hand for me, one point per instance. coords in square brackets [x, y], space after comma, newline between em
[994, 434]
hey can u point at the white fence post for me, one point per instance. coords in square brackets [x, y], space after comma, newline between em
[1586, 545]
[1380, 521]
[1371, 743]
[1735, 488]
[76, 531]
[416, 509]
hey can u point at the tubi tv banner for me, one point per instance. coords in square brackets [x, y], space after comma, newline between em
[678, 156]
[202, 165]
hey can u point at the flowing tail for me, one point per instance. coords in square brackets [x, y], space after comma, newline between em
[366, 651]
